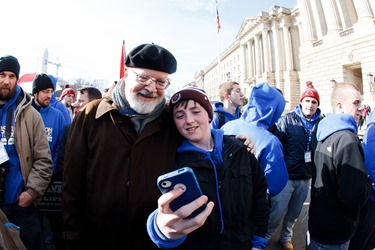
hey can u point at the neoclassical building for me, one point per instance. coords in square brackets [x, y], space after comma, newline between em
[323, 41]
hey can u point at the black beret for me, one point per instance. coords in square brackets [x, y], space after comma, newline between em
[41, 82]
[10, 63]
[151, 56]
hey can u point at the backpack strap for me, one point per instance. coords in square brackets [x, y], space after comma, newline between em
[221, 118]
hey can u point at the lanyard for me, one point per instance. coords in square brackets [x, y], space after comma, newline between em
[309, 133]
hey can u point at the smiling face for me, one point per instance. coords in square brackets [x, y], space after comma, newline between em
[143, 98]
[193, 123]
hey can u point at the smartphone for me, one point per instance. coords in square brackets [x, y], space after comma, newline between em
[184, 178]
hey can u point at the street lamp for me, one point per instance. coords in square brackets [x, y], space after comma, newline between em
[228, 76]
[333, 83]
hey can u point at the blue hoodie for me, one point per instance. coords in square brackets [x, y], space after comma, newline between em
[58, 105]
[218, 107]
[368, 144]
[333, 123]
[13, 180]
[54, 123]
[264, 108]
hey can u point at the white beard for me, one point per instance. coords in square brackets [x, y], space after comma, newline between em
[140, 106]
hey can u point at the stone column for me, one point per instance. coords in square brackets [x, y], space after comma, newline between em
[258, 61]
[266, 48]
[287, 45]
[307, 20]
[277, 49]
[331, 15]
[363, 8]
[243, 62]
[250, 57]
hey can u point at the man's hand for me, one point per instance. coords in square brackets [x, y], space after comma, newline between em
[173, 224]
[247, 142]
[25, 199]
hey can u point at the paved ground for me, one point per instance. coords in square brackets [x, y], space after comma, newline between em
[299, 231]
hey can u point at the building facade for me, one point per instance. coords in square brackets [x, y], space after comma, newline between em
[323, 41]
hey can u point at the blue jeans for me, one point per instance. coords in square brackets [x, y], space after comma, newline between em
[317, 246]
[287, 205]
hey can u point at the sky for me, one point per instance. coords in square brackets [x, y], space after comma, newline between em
[85, 36]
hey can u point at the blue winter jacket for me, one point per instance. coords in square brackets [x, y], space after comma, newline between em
[368, 144]
[219, 108]
[298, 135]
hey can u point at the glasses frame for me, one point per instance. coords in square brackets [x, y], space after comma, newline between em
[46, 91]
[141, 79]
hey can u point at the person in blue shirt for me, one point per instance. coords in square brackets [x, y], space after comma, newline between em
[229, 107]
[54, 123]
[59, 105]
[340, 186]
[296, 131]
[29, 167]
[53, 119]
[231, 179]
[364, 237]
[265, 106]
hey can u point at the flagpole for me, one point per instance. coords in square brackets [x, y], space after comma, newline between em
[217, 42]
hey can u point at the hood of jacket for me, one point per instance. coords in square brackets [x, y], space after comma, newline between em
[335, 122]
[53, 97]
[265, 106]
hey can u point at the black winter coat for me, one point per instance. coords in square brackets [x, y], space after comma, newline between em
[243, 194]
[292, 134]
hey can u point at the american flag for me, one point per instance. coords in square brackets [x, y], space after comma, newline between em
[217, 19]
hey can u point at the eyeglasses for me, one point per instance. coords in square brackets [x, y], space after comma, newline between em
[47, 91]
[146, 80]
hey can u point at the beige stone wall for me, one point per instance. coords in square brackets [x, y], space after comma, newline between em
[317, 42]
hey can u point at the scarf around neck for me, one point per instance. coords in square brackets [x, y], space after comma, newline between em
[139, 120]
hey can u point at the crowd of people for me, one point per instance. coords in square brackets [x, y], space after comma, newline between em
[255, 166]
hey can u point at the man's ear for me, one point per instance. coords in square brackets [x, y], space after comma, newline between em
[339, 108]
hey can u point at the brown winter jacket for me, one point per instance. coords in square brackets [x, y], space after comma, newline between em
[109, 177]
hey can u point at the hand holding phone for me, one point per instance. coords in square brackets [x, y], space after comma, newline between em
[184, 178]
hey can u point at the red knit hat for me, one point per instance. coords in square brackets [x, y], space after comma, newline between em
[310, 92]
[67, 91]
